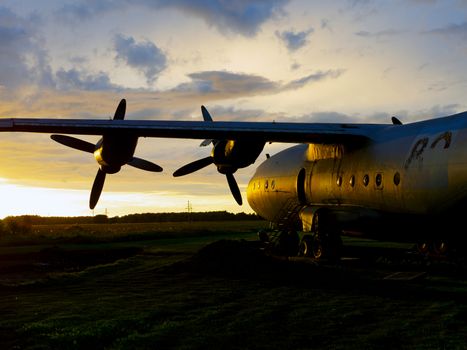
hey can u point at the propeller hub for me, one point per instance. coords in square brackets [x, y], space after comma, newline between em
[226, 169]
[110, 169]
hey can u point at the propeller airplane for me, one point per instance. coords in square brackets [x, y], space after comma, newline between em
[398, 181]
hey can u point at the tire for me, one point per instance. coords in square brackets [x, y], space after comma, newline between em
[306, 246]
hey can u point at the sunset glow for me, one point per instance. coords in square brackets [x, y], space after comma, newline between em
[297, 60]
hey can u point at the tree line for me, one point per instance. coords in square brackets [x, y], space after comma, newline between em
[24, 223]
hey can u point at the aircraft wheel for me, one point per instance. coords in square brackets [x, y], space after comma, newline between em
[318, 250]
[306, 246]
[440, 247]
[423, 247]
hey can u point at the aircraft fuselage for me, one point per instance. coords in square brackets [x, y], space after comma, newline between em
[413, 175]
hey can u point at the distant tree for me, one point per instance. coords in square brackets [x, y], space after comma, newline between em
[100, 219]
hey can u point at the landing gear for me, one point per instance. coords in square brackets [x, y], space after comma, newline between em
[436, 248]
[325, 241]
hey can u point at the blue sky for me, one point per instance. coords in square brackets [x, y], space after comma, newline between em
[324, 61]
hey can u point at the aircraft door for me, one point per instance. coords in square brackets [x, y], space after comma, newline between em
[301, 179]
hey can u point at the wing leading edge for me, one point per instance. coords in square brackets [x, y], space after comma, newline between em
[260, 131]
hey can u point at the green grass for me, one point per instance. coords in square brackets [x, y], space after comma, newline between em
[164, 298]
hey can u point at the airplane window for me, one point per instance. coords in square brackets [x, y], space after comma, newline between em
[339, 181]
[266, 184]
[366, 179]
[379, 180]
[273, 184]
[352, 181]
[397, 179]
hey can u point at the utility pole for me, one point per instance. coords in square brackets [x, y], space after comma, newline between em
[189, 209]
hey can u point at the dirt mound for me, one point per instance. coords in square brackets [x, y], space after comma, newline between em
[231, 256]
[246, 259]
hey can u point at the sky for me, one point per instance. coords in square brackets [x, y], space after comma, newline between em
[357, 61]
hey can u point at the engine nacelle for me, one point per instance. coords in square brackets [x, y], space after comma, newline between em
[112, 152]
[230, 155]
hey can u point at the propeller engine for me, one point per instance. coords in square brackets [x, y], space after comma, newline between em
[228, 156]
[111, 152]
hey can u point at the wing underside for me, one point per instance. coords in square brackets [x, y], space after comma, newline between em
[260, 131]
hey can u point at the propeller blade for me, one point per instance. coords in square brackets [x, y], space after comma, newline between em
[234, 188]
[144, 165]
[97, 188]
[75, 143]
[396, 121]
[206, 142]
[194, 166]
[206, 116]
[120, 111]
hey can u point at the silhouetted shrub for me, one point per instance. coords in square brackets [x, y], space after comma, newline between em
[17, 225]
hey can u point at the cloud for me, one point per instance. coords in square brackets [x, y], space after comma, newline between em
[86, 9]
[378, 35]
[406, 117]
[232, 113]
[325, 24]
[22, 59]
[240, 16]
[74, 79]
[209, 82]
[451, 30]
[144, 56]
[355, 3]
[320, 117]
[81, 94]
[361, 9]
[239, 84]
[312, 78]
[294, 40]
[244, 17]
[424, 2]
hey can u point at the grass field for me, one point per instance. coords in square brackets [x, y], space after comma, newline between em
[176, 286]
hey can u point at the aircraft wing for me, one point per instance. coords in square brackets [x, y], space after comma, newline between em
[262, 131]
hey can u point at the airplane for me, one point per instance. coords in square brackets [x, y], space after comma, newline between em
[401, 182]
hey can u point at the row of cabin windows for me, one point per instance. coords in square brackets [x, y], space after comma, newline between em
[267, 185]
[366, 180]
